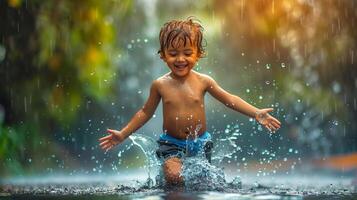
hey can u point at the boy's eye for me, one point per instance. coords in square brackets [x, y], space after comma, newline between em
[172, 53]
[188, 54]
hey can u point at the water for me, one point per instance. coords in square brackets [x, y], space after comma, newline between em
[202, 181]
[148, 147]
[119, 187]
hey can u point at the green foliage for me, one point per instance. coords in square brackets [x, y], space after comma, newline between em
[77, 45]
[63, 57]
[16, 144]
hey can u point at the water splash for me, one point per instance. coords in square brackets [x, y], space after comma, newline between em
[148, 146]
[200, 175]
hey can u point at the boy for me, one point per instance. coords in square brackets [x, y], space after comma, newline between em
[182, 93]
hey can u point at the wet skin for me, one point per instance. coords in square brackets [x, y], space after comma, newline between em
[182, 93]
[183, 105]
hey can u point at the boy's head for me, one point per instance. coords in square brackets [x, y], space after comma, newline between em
[178, 32]
[181, 44]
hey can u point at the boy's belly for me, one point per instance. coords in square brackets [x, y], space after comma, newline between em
[184, 124]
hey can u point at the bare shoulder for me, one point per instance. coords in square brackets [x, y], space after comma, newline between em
[159, 82]
[206, 79]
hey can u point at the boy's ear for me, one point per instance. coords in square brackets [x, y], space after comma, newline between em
[200, 54]
[162, 56]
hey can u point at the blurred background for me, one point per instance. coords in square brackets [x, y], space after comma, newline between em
[71, 69]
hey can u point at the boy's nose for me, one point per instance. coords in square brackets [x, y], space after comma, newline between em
[180, 59]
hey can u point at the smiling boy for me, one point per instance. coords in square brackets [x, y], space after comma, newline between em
[182, 93]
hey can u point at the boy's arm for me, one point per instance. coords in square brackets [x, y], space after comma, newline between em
[236, 103]
[139, 119]
[145, 113]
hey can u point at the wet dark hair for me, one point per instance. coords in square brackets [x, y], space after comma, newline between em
[189, 30]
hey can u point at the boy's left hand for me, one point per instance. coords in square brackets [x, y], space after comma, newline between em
[263, 117]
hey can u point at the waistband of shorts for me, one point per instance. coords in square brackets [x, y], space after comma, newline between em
[206, 136]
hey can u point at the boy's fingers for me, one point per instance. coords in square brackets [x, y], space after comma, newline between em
[103, 146]
[105, 142]
[105, 138]
[272, 127]
[276, 121]
[276, 125]
[268, 109]
[266, 126]
[111, 131]
[106, 146]
[109, 148]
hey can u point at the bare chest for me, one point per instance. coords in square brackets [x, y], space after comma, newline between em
[182, 95]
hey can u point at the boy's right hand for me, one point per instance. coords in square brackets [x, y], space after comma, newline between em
[115, 137]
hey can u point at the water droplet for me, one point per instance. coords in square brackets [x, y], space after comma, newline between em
[267, 82]
[2, 53]
[247, 90]
[283, 65]
[130, 46]
[335, 122]
[268, 66]
[260, 97]
[139, 92]
[336, 87]
[242, 54]
[145, 40]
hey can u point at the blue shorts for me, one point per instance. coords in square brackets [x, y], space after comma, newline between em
[173, 147]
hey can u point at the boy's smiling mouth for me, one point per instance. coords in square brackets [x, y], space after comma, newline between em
[180, 66]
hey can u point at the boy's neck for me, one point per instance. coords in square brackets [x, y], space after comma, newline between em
[180, 78]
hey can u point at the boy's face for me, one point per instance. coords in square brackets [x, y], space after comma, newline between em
[181, 59]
